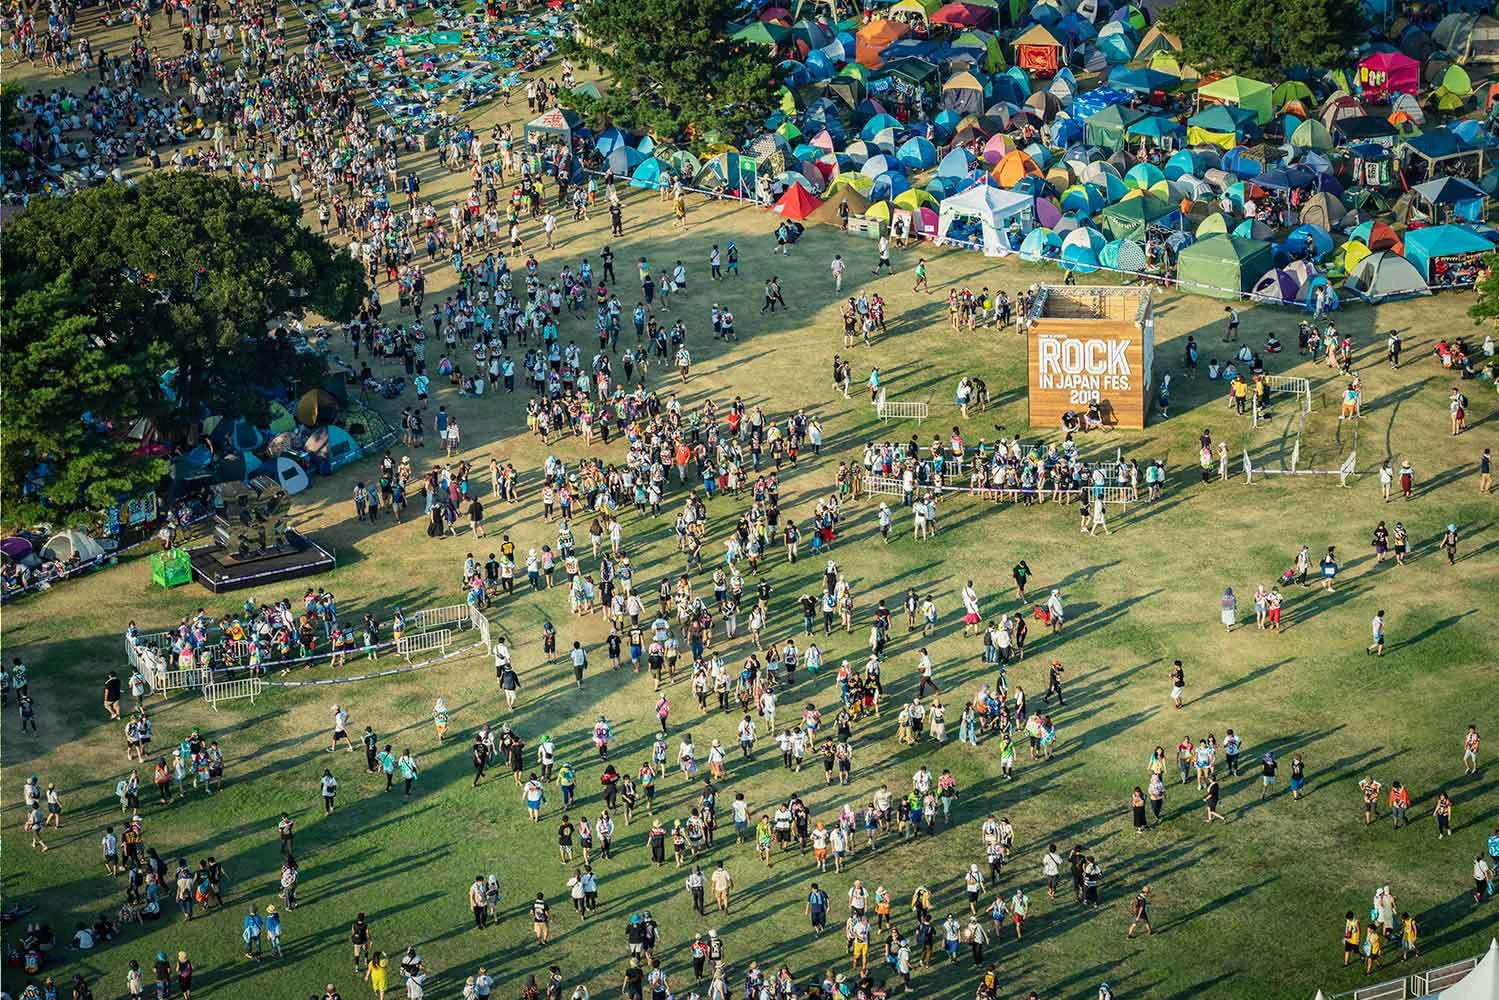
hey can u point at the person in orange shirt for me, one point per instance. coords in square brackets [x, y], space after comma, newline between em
[682, 457]
[1400, 801]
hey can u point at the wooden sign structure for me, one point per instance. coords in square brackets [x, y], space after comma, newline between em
[1087, 344]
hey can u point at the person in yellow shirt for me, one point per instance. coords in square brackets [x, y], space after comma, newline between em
[1350, 937]
[1373, 942]
[1408, 934]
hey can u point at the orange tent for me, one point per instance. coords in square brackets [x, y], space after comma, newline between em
[873, 39]
[1013, 167]
[796, 204]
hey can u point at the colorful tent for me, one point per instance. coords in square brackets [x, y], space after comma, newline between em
[874, 38]
[1223, 266]
[993, 209]
[796, 204]
[1107, 127]
[1385, 73]
[1240, 92]
[1383, 276]
[1038, 52]
[1445, 255]
[1014, 167]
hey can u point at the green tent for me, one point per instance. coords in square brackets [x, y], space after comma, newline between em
[762, 33]
[1129, 219]
[1107, 127]
[1223, 266]
[1242, 92]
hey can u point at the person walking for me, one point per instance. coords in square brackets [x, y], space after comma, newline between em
[1211, 801]
[1376, 629]
[1140, 912]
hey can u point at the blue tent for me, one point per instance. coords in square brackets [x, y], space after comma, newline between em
[1304, 235]
[879, 164]
[888, 185]
[651, 173]
[609, 140]
[1142, 81]
[624, 159]
[819, 65]
[1157, 127]
[874, 125]
[1424, 248]
[1192, 162]
[917, 153]
[956, 163]
[1242, 163]
[1040, 244]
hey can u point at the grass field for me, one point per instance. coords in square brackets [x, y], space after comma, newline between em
[1249, 908]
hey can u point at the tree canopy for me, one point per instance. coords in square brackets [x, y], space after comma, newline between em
[1265, 36]
[154, 301]
[673, 69]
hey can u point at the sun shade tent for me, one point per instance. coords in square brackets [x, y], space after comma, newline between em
[1223, 126]
[1383, 276]
[69, 543]
[556, 124]
[1223, 266]
[995, 211]
[1240, 92]
[1385, 73]
[1460, 197]
[1107, 127]
[1445, 255]
[1038, 52]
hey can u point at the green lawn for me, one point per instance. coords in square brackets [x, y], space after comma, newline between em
[1249, 908]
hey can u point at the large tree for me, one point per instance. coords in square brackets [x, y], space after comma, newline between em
[672, 69]
[1265, 36]
[112, 293]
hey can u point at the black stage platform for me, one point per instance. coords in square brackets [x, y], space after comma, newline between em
[220, 568]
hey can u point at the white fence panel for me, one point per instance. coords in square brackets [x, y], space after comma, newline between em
[424, 642]
[245, 687]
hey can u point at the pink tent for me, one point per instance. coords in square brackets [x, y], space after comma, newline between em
[1389, 73]
[999, 146]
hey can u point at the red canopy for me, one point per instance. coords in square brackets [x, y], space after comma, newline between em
[961, 15]
[796, 204]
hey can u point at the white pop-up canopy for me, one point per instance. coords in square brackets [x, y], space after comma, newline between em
[994, 208]
[1480, 984]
